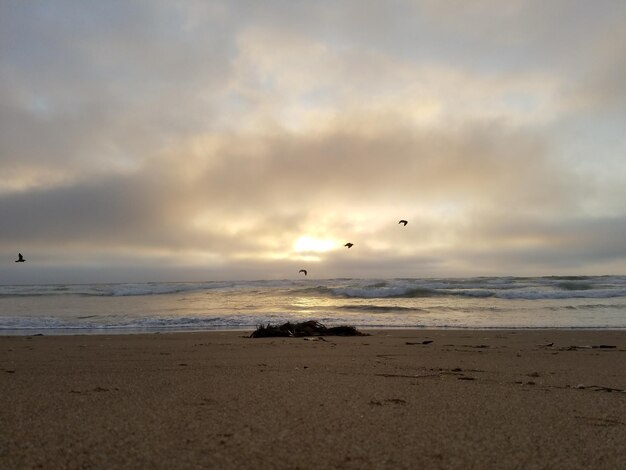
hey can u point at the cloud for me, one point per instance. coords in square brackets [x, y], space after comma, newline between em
[250, 193]
[98, 89]
[192, 134]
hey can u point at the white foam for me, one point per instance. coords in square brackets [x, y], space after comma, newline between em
[472, 302]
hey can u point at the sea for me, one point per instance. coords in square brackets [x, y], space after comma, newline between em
[595, 302]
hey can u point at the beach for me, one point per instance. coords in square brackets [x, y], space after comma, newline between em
[394, 399]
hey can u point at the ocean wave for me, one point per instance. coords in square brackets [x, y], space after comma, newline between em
[316, 290]
[574, 286]
[562, 295]
[51, 325]
[383, 292]
[568, 278]
[550, 287]
[506, 288]
[111, 290]
[380, 308]
[125, 323]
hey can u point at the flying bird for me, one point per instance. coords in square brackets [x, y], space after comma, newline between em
[20, 258]
[349, 245]
[403, 222]
[302, 271]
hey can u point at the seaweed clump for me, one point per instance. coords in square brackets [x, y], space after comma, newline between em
[307, 328]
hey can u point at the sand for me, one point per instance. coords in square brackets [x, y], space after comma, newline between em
[468, 399]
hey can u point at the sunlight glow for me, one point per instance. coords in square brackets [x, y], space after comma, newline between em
[307, 244]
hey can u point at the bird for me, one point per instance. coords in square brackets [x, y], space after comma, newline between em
[349, 245]
[403, 222]
[20, 258]
[302, 271]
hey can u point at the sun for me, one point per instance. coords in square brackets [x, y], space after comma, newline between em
[308, 244]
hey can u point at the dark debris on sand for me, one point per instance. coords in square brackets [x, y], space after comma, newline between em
[307, 328]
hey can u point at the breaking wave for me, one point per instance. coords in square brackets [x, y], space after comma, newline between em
[550, 287]
[507, 302]
[502, 288]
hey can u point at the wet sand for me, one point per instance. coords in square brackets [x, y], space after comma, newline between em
[466, 399]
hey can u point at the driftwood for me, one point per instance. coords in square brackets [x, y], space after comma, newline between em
[307, 328]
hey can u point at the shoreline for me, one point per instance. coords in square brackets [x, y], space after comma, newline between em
[122, 331]
[399, 398]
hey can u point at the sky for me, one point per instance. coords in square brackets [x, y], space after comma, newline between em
[186, 140]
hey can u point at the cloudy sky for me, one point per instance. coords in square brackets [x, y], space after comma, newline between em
[199, 140]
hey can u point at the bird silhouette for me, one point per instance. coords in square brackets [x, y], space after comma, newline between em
[20, 258]
[349, 245]
[403, 222]
[302, 271]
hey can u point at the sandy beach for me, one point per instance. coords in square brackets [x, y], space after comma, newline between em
[394, 399]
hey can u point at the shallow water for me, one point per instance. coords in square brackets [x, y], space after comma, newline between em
[495, 302]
